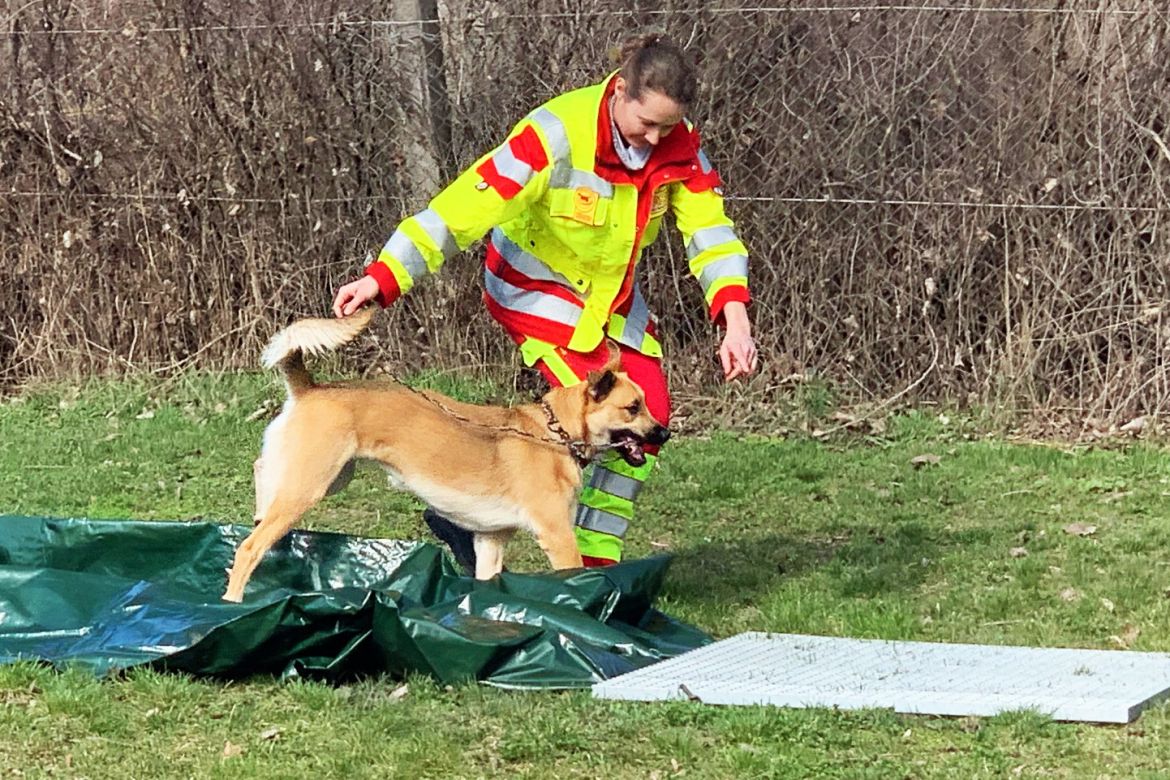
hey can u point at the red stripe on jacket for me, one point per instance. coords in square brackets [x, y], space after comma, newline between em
[500, 267]
[525, 147]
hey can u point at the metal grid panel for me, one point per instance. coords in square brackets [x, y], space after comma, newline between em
[790, 670]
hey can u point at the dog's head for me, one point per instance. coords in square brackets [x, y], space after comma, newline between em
[616, 415]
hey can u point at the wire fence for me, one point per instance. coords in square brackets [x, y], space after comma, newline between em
[954, 201]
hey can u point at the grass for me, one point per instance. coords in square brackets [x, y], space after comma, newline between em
[841, 538]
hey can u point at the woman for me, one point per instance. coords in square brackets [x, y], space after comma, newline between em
[572, 197]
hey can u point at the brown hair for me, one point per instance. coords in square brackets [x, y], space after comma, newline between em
[651, 61]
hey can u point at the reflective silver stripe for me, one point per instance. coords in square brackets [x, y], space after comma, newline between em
[592, 181]
[565, 177]
[603, 522]
[706, 238]
[615, 484]
[525, 263]
[538, 304]
[402, 249]
[510, 166]
[636, 321]
[704, 164]
[437, 229]
[554, 133]
[732, 265]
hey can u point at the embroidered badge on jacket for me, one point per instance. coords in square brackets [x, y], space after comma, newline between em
[584, 205]
[660, 202]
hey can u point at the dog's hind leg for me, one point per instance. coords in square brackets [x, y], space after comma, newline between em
[285, 490]
[266, 484]
[263, 490]
[489, 553]
[281, 515]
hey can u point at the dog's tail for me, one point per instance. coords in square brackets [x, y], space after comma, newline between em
[315, 336]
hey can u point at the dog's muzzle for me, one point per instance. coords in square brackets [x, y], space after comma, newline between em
[658, 436]
[630, 445]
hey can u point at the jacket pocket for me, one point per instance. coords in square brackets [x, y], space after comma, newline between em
[580, 205]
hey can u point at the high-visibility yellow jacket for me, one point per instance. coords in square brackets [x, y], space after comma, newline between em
[569, 224]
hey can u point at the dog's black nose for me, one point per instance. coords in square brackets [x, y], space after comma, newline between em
[658, 435]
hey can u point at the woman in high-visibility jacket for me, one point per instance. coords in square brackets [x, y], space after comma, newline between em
[572, 197]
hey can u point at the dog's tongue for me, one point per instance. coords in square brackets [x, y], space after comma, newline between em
[631, 450]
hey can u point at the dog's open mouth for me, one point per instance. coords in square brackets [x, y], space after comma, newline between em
[629, 445]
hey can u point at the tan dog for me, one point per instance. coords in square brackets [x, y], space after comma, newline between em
[489, 469]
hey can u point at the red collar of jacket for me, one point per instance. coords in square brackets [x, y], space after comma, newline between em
[678, 150]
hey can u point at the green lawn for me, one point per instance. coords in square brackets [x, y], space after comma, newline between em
[848, 538]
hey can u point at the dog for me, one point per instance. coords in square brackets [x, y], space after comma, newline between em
[490, 469]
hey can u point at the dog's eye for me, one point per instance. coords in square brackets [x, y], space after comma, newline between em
[635, 407]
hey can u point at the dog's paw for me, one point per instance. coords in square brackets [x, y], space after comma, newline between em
[227, 594]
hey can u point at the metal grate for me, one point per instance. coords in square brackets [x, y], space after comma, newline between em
[790, 670]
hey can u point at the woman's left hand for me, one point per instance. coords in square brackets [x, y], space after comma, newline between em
[737, 353]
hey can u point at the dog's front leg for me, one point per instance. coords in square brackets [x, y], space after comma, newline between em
[489, 553]
[554, 534]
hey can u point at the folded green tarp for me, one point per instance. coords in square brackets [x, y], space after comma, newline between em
[109, 595]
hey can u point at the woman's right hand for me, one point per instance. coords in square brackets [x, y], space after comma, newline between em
[354, 295]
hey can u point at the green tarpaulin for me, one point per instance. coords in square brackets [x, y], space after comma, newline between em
[109, 595]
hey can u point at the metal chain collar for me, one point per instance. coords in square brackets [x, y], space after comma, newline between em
[578, 449]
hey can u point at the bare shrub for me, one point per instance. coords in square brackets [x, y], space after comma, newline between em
[960, 205]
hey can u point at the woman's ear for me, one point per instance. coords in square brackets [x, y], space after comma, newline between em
[619, 87]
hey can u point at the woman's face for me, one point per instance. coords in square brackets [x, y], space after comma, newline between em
[646, 121]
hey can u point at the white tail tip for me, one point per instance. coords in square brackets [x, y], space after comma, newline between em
[315, 336]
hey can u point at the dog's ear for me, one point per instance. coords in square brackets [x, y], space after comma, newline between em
[601, 384]
[615, 357]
